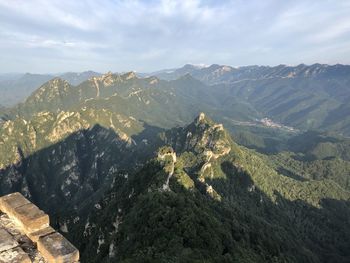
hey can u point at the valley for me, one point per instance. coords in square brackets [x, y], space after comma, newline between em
[119, 160]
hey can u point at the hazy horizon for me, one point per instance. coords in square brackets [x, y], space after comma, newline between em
[163, 69]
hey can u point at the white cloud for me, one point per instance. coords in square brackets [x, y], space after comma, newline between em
[148, 35]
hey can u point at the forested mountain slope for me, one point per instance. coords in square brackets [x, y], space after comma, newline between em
[104, 159]
[204, 198]
[15, 88]
[305, 97]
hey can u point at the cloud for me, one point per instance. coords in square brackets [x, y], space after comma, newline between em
[147, 35]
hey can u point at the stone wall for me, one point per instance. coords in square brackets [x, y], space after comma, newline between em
[34, 223]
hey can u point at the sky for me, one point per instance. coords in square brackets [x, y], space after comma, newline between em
[50, 36]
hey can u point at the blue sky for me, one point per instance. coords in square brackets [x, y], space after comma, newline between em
[65, 35]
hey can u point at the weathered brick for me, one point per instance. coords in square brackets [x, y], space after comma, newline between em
[34, 236]
[31, 218]
[56, 249]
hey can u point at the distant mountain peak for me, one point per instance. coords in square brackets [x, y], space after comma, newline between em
[203, 135]
[196, 66]
[50, 90]
[109, 73]
[55, 83]
[129, 75]
[57, 80]
[103, 76]
[153, 80]
[202, 118]
[187, 76]
[106, 79]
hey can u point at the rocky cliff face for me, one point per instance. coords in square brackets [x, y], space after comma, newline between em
[65, 156]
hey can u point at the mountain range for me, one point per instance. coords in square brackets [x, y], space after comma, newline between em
[138, 168]
[17, 87]
[305, 97]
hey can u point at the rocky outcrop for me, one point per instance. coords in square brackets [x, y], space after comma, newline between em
[171, 167]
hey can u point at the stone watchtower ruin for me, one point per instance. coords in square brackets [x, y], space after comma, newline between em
[26, 234]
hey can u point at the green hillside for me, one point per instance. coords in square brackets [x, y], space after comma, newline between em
[126, 178]
[305, 97]
[237, 209]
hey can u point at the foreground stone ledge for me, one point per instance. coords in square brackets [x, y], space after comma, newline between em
[9, 203]
[14, 255]
[56, 249]
[22, 219]
[26, 214]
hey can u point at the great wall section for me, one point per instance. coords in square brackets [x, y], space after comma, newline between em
[26, 235]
